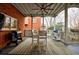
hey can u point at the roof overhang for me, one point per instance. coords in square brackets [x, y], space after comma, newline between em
[42, 9]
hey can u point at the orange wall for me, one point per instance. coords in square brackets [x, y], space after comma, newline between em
[13, 12]
[35, 25]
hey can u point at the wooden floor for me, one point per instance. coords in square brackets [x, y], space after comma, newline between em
[53, 48]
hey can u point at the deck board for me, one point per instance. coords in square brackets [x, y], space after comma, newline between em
[53, 48]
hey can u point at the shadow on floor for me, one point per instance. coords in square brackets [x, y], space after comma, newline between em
[7, 49]
[74, 47]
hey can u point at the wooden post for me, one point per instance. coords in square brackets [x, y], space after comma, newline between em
[32, 28]
[43, 20]
[50, 21]
[54, 21]
[66, 20]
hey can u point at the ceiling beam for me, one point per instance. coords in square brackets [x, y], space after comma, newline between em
[19, 8]
[57, 6]
[22, 8]
[51, 10]
[25, 8]
[61, 6]
[73, 5]
[48, 5]
[59, 11]
[25, 12]
[37, 5]
[29, 8]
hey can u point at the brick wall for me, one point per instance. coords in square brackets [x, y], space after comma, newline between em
[35, 25]
[13, 12]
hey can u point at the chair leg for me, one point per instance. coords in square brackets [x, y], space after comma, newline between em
[21, 39]
[46, 46]
[16, 42]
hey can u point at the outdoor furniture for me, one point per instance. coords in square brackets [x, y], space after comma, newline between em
[28, 33]
[35, 37]
[15, 37]
[42, 39]
[19, 34]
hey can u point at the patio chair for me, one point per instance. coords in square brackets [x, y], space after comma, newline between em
[42, 36]
[28, 33]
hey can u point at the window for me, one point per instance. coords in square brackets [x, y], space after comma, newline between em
[26, 20]
[34, 20]
[10, 23]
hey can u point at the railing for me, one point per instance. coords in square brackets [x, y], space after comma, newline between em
[71, 36]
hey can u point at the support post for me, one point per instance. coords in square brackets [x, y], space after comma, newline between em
[32, 28]
[50, 21]
[43, 20]
[66, 21]
[54, 21]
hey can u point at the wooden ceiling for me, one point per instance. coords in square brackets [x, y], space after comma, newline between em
[42, 9]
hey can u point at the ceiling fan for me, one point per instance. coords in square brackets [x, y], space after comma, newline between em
[43, 8]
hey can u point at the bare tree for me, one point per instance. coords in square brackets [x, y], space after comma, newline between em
[73, 14]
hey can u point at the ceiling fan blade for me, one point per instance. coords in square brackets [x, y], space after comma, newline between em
[45, 11]
[49, 9]
[48, 5]
[39, 9]
[35, 9]
[37, 5]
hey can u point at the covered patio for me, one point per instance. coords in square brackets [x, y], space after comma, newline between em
[46, 28]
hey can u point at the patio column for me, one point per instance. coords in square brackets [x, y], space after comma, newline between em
[50, 20]
[66, 20]
[32, 23]
[43, 21]
[54, 21]
[32, 27]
